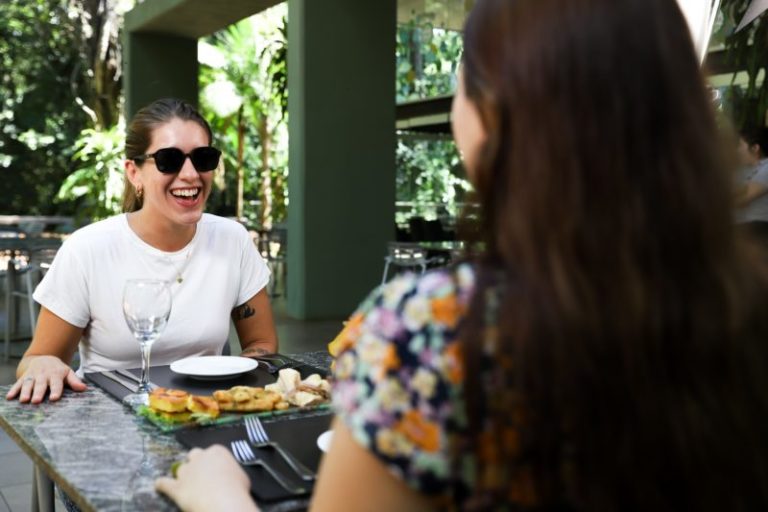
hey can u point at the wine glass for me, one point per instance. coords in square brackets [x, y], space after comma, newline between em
[146, 307]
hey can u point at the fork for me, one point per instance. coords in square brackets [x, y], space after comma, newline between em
[273, 368]
[259, 438]
[245, 456]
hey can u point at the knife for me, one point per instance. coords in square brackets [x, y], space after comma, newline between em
[130, 386]
[133, 377]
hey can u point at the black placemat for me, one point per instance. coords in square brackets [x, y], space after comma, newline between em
[163, 376]
[279, 360]
[297, 436]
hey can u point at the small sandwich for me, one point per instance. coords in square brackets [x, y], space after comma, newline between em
[202, 406]
[246, 399]
[170, 404]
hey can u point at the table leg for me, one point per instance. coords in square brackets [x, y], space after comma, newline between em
[35, 505]
[42, 492]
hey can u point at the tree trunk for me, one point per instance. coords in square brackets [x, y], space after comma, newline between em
[100, 33]
[240, 151]
[266, 174]
[417, 59]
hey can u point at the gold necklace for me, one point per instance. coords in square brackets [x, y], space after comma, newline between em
[180, 270]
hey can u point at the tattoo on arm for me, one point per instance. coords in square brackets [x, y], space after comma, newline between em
[254, 351]
[242, 312]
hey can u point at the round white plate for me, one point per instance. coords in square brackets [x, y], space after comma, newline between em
[213, 367]
[324, 440]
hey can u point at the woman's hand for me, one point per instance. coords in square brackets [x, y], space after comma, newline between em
[211, 479]
[43, 373]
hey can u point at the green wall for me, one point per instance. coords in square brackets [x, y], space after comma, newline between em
[159, 66]
[341, 104]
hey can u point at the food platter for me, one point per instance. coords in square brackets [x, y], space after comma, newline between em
[171, 409]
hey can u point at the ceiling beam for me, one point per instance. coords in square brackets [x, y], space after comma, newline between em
[191, 18]
[427, 115]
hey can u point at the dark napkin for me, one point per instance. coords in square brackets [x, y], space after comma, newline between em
[297, 436]
[278, 361]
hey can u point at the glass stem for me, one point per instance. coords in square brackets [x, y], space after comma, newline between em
[145, 351]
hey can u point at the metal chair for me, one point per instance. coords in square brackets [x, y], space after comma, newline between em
[21, 277]
[407, 255]
[272, 245]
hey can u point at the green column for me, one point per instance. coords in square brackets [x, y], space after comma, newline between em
[341, 103]
[158, 66]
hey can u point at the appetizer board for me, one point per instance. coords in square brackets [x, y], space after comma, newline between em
[258, 378]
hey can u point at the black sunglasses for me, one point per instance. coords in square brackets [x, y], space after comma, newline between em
[171, 160]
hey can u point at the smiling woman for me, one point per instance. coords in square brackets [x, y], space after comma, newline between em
[173, 190]
[211, 264]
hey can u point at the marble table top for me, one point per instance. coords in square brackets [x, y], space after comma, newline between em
[101, 454]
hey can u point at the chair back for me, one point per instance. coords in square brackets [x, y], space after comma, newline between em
[404, 253]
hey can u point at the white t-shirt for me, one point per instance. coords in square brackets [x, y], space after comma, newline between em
[220, 269]
[757, 209]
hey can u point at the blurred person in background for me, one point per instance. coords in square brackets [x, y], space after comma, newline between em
[606, 349]
[752, 186]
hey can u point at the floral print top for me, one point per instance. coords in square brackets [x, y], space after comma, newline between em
[398, 381]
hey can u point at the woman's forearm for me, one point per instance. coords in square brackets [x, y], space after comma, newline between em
[259, 348]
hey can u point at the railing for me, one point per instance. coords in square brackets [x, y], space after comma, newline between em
[36, 224]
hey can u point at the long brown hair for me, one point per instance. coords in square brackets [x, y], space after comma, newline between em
[139, 135]
[631, 317]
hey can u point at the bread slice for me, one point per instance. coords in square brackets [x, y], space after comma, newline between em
[246, 399]
[203, 404]
[168, 400]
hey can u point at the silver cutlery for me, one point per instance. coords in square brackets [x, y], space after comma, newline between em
[245, 456]
[274, 364]
[271, 368]
[130, 386]
[260, 439]
[280, 360]
[133, 377]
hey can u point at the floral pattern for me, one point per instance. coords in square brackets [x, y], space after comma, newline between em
[398, 379]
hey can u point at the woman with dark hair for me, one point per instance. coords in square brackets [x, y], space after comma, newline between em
[211, 264]
[603, 346]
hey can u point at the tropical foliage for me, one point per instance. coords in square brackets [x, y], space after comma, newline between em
[96, 186]
[430, 177]
[245, 96]
[59, 75]
[427, 59]
[748, 50]
[429, 172]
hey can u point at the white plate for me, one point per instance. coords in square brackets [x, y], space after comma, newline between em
[324, 440]
[213, 367]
